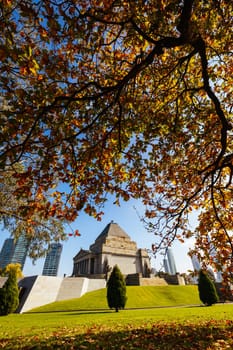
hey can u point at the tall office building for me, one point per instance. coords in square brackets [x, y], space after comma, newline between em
[196, 263]
[7, 252]
[52, 260]
[20, 251]
[213, 253]
[166, 266]
[171, 261]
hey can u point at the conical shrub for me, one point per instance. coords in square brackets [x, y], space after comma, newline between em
[116, 290]
[207, 291]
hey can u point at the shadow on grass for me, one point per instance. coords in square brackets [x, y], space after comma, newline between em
[70, 311]
[209, 335]
[107, 310]
[87, 312]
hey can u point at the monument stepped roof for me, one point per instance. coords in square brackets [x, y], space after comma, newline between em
[112, 229]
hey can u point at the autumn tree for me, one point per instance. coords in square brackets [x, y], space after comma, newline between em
[116, 290]
[206, 288]
[38, 229]
[131, 98]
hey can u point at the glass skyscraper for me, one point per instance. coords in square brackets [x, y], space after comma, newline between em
[52, 260]
[171, 261]
[20, 252]
[166, 266]
[7, 252]
[14, 252]
[196, 263]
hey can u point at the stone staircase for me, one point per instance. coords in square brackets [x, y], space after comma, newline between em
[153, 281]
[72, 288]
[137, 280]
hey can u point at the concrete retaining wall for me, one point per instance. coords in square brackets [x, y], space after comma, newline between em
[41, 290]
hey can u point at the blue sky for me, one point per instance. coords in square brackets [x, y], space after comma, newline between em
[127, 218]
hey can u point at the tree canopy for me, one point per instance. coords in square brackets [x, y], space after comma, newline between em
[38, 228]
[126, 97]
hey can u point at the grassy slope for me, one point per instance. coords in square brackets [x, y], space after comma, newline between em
[138, 297]
[176, 328]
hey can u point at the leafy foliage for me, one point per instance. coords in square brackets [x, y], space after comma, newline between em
[116, 290]
[156, 337]
[38, 228]
[207, 291]
[131, 98]
[9, 293]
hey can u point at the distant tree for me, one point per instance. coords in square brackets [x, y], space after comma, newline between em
[9, 293]
[207, 291]
[116, 290]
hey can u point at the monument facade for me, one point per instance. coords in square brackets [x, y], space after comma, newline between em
[112, 247]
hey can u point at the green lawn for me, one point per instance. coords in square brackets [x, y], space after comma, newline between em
[161, 328]
[137, 297]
